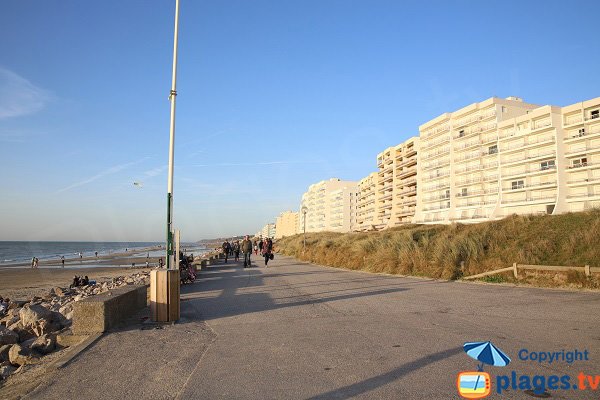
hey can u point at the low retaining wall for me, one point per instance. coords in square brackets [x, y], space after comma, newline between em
[97, 314]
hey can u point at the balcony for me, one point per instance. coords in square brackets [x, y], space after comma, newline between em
[476, 204]
[432, 144]
[408, 162]
[541, 124]
[584, 181]
[572, 120]
[582, 165]
[435, 208]
[529, 157]
[386, 197]
[530, 186]
[464, 146]
[586, 133]
[436, 176]
[470, 193]
[582, 196]
[435, 153]
[436, 164]
[582, 149]
[527, 142]
[524, 171]
[406, 172]
[531, 199]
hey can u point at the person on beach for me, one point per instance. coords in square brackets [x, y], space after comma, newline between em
[226, 249]
[35, 262]
[160, 263]
[260, 246]
[236, 250]
[247, 250]
[96, 253]
[32, 262]
[62, 260]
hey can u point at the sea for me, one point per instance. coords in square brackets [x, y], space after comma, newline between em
[12, 252]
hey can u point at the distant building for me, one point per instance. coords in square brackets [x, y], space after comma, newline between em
[331, 206]
[286, 224]
[366, 206]
[268, 231]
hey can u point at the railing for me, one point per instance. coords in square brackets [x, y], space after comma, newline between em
[523, 158]
[572, 196]
[587, 180]
[541, 124]
[573, 120]
[435, 153]
[527, 142]
[529, 199]
[586, 269]
[477, 192]
[519, 187]
[528, 170]
[466, 145]
[593, 116]
[581, 165]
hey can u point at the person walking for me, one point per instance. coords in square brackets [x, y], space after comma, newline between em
[247, 250]
[62, 260]
[236, 250]
[255, 248]
[32, 262]
[226, 249]
[267, 250]
[260, 246]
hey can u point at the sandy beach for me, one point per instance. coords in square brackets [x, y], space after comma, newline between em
[20, 281]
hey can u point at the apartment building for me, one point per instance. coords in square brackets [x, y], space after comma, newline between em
[458, 173]
[366, 207]
[581, 152]
[268, 231]
[397, 184]
[503, 156]
[331, 206]
[286, 224]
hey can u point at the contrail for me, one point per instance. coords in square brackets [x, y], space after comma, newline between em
[108, 171]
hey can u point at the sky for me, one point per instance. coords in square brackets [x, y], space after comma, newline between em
[272, 97]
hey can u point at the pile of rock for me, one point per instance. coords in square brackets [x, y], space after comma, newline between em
[28, 329]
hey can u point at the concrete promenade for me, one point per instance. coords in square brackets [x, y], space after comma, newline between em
[301, 331]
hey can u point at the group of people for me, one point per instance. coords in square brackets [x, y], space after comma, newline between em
[246, 246]
[35, 262]
[80, 281]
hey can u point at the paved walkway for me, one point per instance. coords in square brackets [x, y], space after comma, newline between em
[301, 331]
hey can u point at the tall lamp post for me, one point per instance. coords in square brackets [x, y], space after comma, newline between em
[164, 284]
[304, 211]
[172, 97]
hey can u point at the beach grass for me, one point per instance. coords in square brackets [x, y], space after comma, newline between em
[457, 250]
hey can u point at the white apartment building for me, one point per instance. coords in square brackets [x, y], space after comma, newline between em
[366, 206]
[331, 206]
[268, 231]
[286, 224]
[502, 157]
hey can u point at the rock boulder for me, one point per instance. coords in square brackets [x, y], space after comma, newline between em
[7, 336]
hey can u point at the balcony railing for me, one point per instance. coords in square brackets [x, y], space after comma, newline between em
[532, 185]
[572, 196]
[529, 170]
[527, 142]
[573, 120]
[541, 124]
[477, 192]
[529, 157]
[582, 148]
[435, 153]
[583, 164]
[529, 199]
[466, 145]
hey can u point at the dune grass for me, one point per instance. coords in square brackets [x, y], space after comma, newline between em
[438, 251]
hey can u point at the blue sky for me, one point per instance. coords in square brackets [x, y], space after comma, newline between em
[273, 96]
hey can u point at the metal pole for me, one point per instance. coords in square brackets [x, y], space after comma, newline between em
[172, 96]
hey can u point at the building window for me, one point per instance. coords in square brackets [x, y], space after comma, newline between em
[580, 162]
[464, 192]
[547, 165]
[503, 109]
[461, 133]
[493, 149]
[595, 114]
[517, 184]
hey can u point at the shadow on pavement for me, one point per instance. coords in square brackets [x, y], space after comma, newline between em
[367, 385]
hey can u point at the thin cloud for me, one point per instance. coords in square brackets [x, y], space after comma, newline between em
[108, 171]
[155, 171]
[18, 96]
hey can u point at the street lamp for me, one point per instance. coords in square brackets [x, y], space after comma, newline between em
[304, 211]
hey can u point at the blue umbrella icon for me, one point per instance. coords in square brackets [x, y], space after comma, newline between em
[486, 353]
